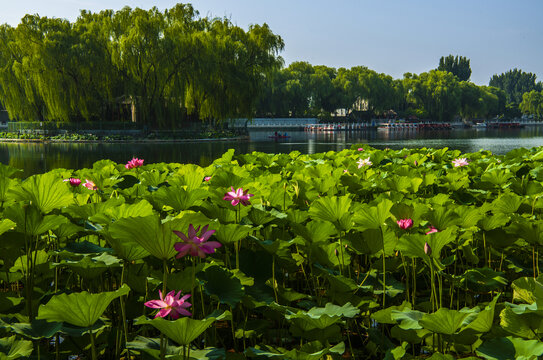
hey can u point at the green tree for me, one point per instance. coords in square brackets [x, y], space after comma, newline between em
[515, 83]
[458, 65]
[532, 103]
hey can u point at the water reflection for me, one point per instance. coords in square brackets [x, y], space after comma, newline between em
[41, 157]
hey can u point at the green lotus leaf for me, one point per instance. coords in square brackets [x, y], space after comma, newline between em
[87, 211]
[333, 209]
[114, 213]
[224, 284]
[313, 351]
[528, 289]
[384, 316]
[483, 279]
[151, 347]
[529, 230]
[395, 354]
[440, 356]
[409, 319]
[40, 257]
[87, 267]
[439, 240]
[125, 248]
[468, 216]
[38, 329]
[67, 230]
[178, 198]
[483, 321]
[80, 309]
[498, 177]
[47, 192]
[8, 303]
[231, 233]
[85, 247]
[315, 231]
[442, 217]
[30, 221]
[183, 331]
[372, 217]
[507, 203]
[495, 221]
[6, 225]
[321, 318]
[6, 183]
[443, 321]
[149, 232]
[508, 348]
[12, 348]
[525, 325]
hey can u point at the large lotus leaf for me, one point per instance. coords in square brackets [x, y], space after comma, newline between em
[483, 321]
[412, 245]
[528, 290]
[384, 316]
[8, 303]
[468, 216]
[314, 351]
[87, 267]
[6, 183]
[85, 247]
[114, 213]
[321, 318]
[178, 198]
[125, 248]
[6, 225]
[531, 231]
[231, 233]
[507, 203]
[333, 209]
[443, 321]
[223, 284]
[370, 241]
[46, 191]
[30, 221]
[439, 240]
[509, 348]
[149, 232]
[526, 325]
[442, 217]
[484, 280]
[183, 331]
[315, 231]
[67, 230]
[38, 329]
[40, 257]
[372, 217]
[495, 221]
[440, 356]
[409, 319]
[80, 309]
[151, 347]
[86, 211]
[12, 348]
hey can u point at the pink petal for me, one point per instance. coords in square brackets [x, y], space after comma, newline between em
[156, 304]
[206, 235]
[210, 246]
[184, 312]
[192, 232]
[235, 202]
[185, 297]
[163, 313]
[181, 235]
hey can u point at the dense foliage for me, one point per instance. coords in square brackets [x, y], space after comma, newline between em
[361, 253]
[458, 66]
[172, 66]
[532, 103]
[515, 83]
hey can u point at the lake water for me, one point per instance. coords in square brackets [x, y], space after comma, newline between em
[41, 157]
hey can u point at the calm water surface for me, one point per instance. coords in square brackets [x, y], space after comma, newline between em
[40, 157]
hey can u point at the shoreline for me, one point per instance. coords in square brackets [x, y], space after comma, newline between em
[150, 141]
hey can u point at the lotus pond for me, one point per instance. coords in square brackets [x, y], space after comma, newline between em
[363, 254]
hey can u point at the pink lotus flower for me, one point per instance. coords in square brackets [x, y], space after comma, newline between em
[364, 162]
[196, 245]
[345, 171]
[427, 249]
[90, 185]
[134, 163]
[432, 230]
[207, 178]
[238, 196]
[360, 149]
[460, 162]
[170, 304]
[405, 224]
[73, 181]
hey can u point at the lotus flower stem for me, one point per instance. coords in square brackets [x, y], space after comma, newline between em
[384, 268]
[123, 310]
[93, 345]
[164, 291]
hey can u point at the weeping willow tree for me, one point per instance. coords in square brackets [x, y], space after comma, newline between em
[172, 66]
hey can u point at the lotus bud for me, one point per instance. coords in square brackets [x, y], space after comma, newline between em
[427, 249]
[335, 252]
[416, 163]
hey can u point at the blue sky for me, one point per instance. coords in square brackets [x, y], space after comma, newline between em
[390, 36]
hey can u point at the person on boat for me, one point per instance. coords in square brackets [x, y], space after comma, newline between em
[275, 134]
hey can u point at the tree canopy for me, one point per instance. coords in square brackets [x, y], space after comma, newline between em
[515, 83]
[457, 65]
[170, 65]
